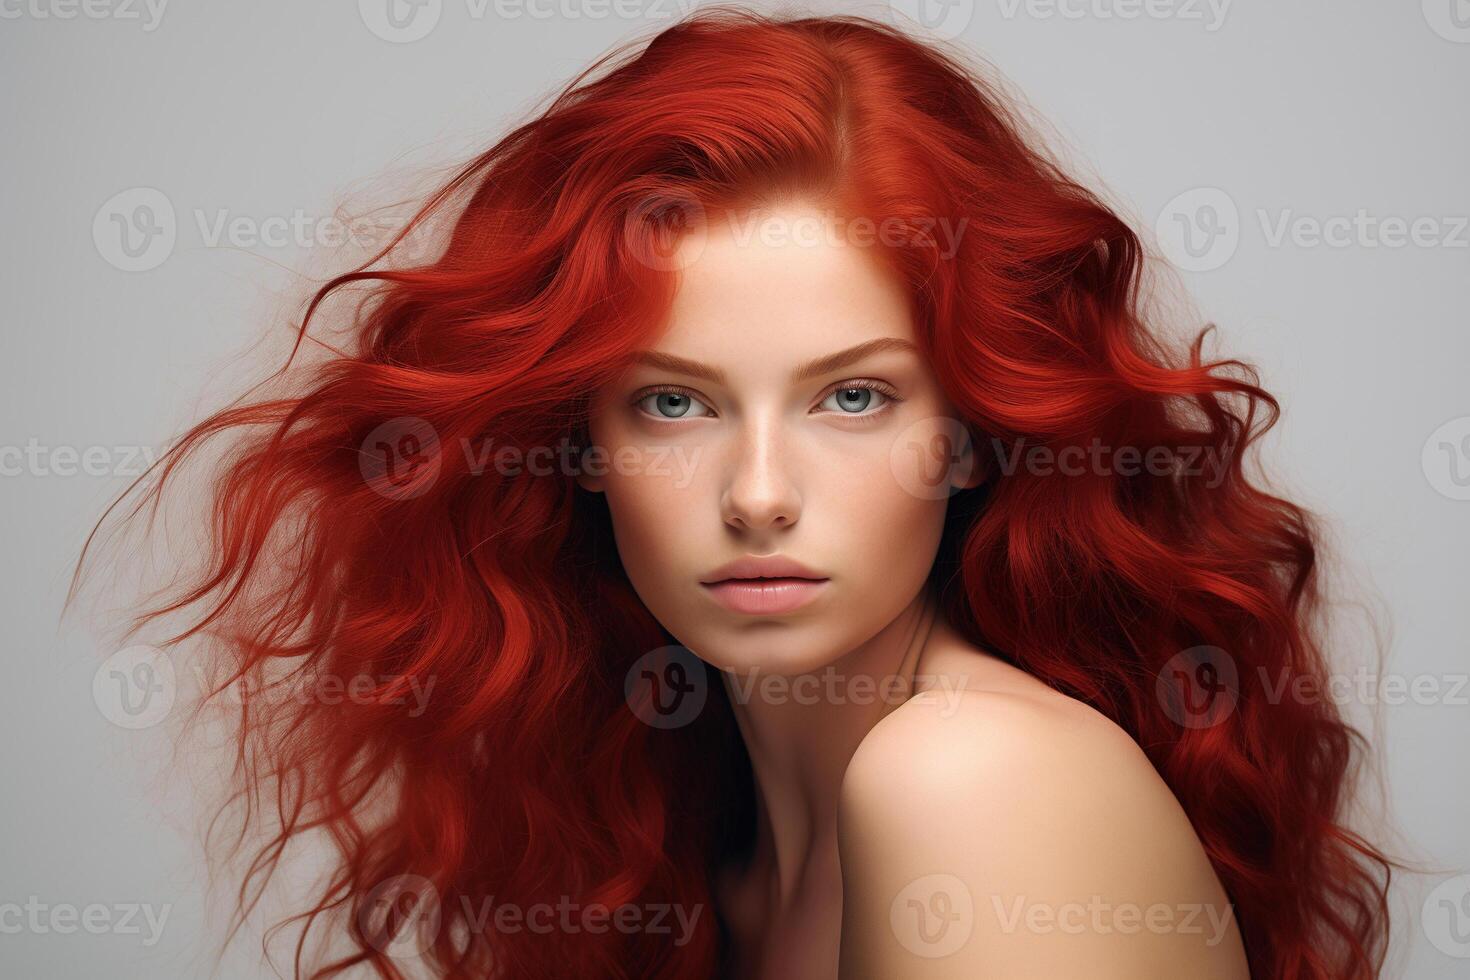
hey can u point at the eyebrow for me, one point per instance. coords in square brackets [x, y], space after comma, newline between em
[811, 369]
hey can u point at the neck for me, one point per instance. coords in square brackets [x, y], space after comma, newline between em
[801, 732]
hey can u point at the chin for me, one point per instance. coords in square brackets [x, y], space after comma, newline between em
[770, 647]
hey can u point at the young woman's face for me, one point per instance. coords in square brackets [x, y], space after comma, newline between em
[785, 412]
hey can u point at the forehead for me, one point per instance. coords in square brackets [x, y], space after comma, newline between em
[780, 287]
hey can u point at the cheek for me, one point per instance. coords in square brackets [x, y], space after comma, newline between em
[656, 502]
[884, 532]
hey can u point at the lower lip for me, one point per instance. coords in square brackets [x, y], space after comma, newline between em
[768, 596]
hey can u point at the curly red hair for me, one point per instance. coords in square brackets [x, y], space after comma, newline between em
[525, 776]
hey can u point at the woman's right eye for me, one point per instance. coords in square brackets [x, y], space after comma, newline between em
[673, 405]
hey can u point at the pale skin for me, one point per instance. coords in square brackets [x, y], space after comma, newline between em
[970, 822]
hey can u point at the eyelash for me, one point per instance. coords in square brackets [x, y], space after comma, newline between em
[883, 388]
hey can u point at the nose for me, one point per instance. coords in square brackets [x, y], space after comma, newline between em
[760, 493]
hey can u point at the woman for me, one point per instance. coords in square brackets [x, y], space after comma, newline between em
[805, 560]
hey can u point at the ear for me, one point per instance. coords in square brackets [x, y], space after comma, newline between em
[588, 482]
[591, 474]
[969, 469]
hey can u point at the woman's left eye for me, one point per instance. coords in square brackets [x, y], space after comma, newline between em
[855, 400]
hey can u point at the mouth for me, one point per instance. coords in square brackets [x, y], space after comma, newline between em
[763, 596]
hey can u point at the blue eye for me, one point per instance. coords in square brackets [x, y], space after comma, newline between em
[854, 400]
[673, 405]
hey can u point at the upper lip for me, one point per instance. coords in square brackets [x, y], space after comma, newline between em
[768, 566]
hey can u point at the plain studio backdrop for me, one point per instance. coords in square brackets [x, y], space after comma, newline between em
[171, 176]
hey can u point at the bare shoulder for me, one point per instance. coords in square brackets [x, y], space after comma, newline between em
[1001, 828]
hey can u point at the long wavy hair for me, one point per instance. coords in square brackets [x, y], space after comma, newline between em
[351, 537]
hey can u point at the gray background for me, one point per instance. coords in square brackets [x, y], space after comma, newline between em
[1295, 112]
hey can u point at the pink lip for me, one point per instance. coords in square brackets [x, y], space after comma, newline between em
[765, 596]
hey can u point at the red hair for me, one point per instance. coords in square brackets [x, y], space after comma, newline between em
[526, 777]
